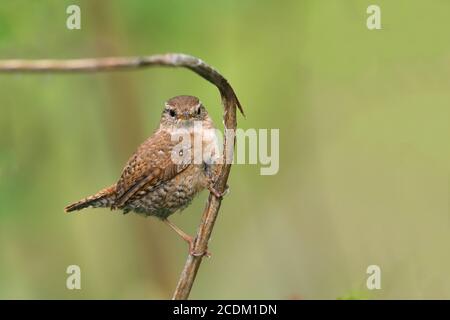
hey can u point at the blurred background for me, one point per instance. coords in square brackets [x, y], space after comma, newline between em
[364, 157]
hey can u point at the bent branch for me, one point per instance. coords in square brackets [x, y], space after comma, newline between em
[229, 101]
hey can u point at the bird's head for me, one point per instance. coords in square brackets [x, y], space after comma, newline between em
[183, 111]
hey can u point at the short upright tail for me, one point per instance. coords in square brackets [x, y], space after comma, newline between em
[103, 198]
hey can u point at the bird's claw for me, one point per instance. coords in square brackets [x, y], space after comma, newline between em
[218, 194]
[192, 251]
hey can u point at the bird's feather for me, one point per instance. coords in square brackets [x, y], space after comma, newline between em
[150, 165]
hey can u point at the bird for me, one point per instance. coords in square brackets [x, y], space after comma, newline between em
[163, 176]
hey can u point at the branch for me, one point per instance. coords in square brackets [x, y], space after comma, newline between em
[229, 101]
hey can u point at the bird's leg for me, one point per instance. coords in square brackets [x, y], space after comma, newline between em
[210, 182]
[190, 240]
[216, 193]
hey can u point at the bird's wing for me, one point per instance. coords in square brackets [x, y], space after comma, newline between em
[150, 165]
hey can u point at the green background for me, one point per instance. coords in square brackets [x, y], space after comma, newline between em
[364, 157]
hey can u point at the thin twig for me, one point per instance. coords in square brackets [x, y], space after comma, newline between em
[229, 101]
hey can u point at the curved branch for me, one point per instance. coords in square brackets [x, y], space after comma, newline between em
[229, 101]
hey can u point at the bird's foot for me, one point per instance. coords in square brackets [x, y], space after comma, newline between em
[189, 239]
[216, 193]
[192, 251]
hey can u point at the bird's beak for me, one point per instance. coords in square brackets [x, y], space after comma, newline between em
[185, 115]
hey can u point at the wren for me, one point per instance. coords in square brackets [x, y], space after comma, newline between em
[152, 183]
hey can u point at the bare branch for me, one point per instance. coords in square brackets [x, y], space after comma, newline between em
[229, 101]
[121, 63]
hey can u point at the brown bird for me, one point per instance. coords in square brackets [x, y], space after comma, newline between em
[163, 176]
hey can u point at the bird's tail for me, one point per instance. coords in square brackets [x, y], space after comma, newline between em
[103, 198]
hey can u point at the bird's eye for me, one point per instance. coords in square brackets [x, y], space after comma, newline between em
[172, 113]
[199, 110]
